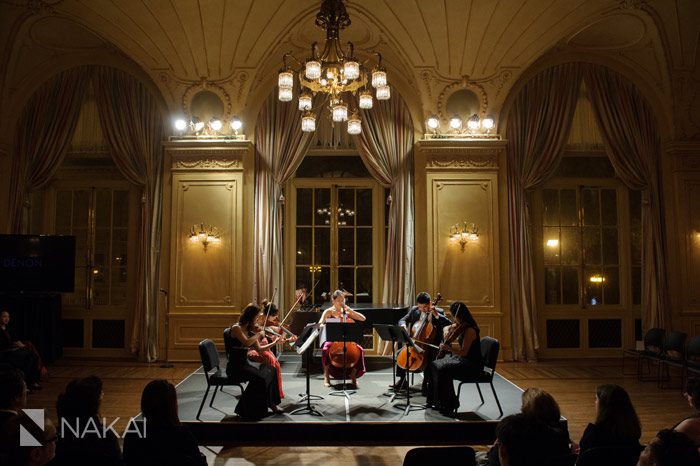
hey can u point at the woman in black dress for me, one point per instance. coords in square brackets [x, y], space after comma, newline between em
[463, 359]
[262, 391]
[616, 424]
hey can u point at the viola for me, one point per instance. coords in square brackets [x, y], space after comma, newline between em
[423, 333]
[455, 332]
[353, 353]
[273, 323]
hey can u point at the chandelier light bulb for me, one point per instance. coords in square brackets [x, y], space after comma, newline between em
[340, 112]
[236, 124]
[488, 123]
[378, 78]
[433, 122]
[285, 80]
[354, 124]
[180, 124]
[473, 123]
[455, 122]
[308, 122]
[365, 99]
[305, 102]
[197, 124]
[351, 70]
[215, 124]
[313, 70]
[383, 93]
[285, 94]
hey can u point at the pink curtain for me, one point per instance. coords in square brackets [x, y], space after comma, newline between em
[132, 123]
[386, 147]
[280, 147]
[44, 131]
[629, 129]
[538, 127]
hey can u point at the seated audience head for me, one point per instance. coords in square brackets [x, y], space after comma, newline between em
[670, 448]
[13, 390]
[12, 454]
[159, 403]
[4, 317]
[81, 399]
[461, 313]
[423, 298]
[615, 412]
[692, 393]
[541, 405]
[526, 441]
[248, 316]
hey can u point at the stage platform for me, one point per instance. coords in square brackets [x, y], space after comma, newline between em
[366, 417]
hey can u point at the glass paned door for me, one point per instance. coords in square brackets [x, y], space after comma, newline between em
[335, 242]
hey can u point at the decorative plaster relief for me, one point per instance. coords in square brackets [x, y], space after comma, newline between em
[206, 163]
[459, 158]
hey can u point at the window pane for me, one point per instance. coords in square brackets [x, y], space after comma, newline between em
[346, 207]
[636, 285]
[593, 287]
[551, 245]
[305, 206]
[303, 252]
[363, 293]
[324, 286]
[346, 246]
[552, 277]
[569, 208]
[591, 208]
[64, 201]
[611, 285]
[591, 246]
[81, 206]
[303, 276]
[364, 207]
[103, 208]
[364, 246]
[610, 249]
[570, 283]
[322, 246]
[608, 203]
[346, 281]
[322, 206]
[550, 198]
[570, 245]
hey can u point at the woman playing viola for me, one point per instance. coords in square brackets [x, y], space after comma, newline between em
[342, 313]
[263, 390]
[273, 322]
[260, 351]
[464, 358]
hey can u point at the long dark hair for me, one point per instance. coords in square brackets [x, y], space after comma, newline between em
[81, 399]
[159, 402]
[247, 317]
[615, 412]
[460, 311]
[541, 405]
[269, 308]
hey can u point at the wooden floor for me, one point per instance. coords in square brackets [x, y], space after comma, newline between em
[572, 382]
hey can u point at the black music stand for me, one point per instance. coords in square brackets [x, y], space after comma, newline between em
[347, 333]
[410, 346]
[390, 333]
[304, 345]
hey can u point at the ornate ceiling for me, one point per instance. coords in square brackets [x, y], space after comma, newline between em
[430, 47]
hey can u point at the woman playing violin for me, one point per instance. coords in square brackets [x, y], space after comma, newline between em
[461, 359]
[260, 351]
[274, 324]
[263, 389]
[342, 313]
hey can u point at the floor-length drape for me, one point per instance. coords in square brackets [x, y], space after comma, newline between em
[44, 131]
[629, 130]
[280, 146]
[538, 127]
[386, 147]
[132, 124]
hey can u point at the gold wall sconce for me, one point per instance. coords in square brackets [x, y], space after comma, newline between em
[204, 234]
[463, 233]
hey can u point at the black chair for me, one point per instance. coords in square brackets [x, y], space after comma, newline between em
[692, 358]
[462, 456]
[489, 353]
[609, 456]
[653, 350]
[674, 356]
[210, 361]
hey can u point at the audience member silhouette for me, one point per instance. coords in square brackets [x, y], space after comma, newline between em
[690, 426]
[616, 424]
[670, 448]
[11, 451]
[13, 394]
[161, 439]
[523, 440]
[82, 440]
[21, 355]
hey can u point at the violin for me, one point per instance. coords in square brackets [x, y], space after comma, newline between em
[422, 333]
[274, 324]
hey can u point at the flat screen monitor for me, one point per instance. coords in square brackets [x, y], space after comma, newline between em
[37, 263]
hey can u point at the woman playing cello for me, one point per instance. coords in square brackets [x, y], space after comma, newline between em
[465, 358]
[356, 365]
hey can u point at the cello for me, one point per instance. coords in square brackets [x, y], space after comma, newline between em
[422, 333]
[352, 351]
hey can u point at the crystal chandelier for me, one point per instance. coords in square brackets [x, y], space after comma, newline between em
[334, 73]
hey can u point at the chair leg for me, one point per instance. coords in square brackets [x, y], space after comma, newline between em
[500, 410]
[213, 395]
[480, 395]
[204, 398]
